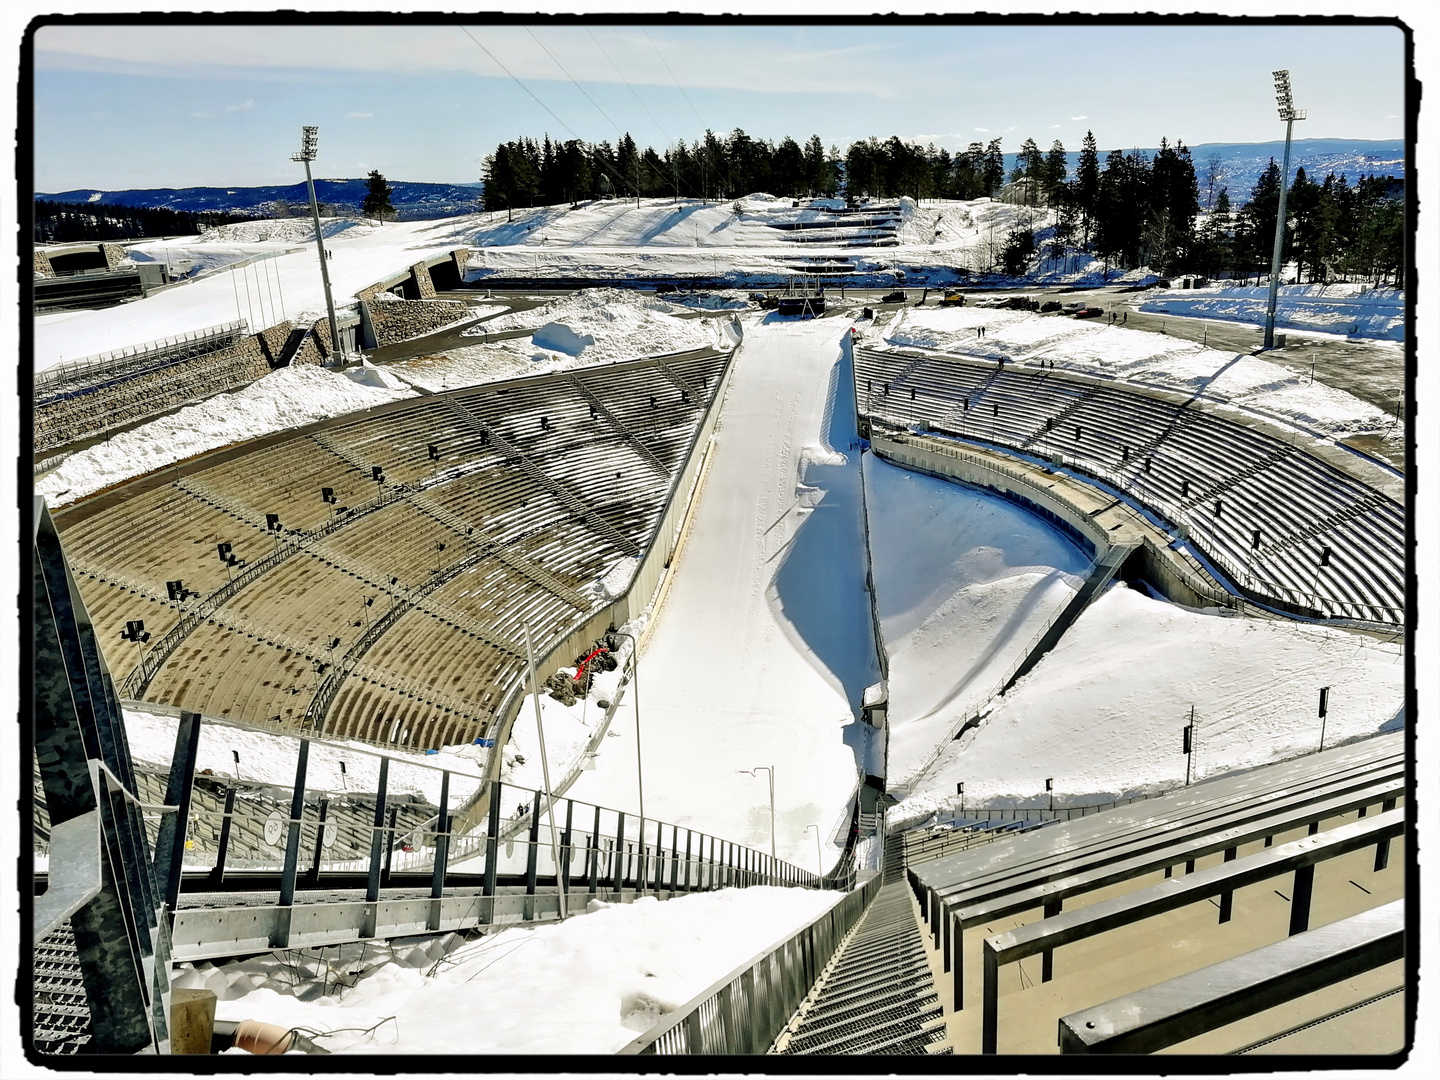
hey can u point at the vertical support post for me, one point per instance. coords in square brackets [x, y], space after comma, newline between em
[674, 857]
[532, 855]
[389, 846]
[659, 855]
[442, 841]
[1382, 849]
[492, 839]
[594, 874]
[170, 842]
[1227, 898]
[292, 839]
[377, 834]
[217, 875]
[562, 871]
[945, 946]
[1300, 899]
[689, 836]
[619, 882]
[1047, 958]
[957, 961]
[990, 1005]
[313, 877]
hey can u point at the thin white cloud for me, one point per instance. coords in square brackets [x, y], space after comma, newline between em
[1079, 118]
[721, 59]
[359, 115]
[986, 130]
[244, 106]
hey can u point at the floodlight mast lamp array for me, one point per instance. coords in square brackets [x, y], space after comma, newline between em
[1289, 114]
[309, 146]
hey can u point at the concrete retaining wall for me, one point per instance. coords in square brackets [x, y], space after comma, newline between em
[1014, 486]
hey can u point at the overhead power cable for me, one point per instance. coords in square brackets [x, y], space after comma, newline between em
[573, 133]
[660, 127]
[723, 157]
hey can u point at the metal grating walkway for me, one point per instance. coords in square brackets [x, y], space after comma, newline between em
[62, 1016]
[877, 995]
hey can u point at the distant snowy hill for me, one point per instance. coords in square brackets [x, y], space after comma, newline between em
[412, 201]
[1240, 165]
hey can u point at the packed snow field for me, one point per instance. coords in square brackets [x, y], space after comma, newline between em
[1094, 347]
[963, 581]
[595, 326]
[588, 985]
[763, 645]
[1102, 713]
[1358, 311]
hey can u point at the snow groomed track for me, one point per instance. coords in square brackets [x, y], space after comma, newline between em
[763, 646]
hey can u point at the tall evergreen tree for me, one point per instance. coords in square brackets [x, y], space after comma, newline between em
[1087, 186]
[994, 174]
[1055, 171]
[377, 197]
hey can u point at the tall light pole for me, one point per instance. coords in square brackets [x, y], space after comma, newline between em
[545, 773]
[309, 144]
[771, 770]
[635, 678]
[819, 859]
[1289, 114]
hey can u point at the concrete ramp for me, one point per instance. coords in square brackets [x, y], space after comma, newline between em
[1101, 574]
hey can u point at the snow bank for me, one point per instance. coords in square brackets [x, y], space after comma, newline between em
[367, 374]
[286, 398]
[1102, 713]
[588, 985]
[595, 326]
[620, 324]
[558, 337]
[1357, 311]
[963, 582]
[1146, 358]
[286, 230]
[268, 757]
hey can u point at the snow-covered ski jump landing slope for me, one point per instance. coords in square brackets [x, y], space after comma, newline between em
[764, 643]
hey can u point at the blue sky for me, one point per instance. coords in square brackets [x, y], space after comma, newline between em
[172, 106]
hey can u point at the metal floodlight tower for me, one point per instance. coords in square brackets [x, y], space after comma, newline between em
[1289, 114]
[309, 144]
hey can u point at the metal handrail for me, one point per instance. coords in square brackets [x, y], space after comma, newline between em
[743, 1012]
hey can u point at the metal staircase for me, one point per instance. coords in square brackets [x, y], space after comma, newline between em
[876, 996]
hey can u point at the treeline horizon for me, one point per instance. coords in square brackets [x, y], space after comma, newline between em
[1136, 209]
[67, 222]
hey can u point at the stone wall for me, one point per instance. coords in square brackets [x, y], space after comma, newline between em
[396, 320]
[272, 341]
[423, 281]
[42, 265]
[114, 255]
[94, 411]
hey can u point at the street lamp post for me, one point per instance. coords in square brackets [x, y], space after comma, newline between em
[819, 859]
[771, 770]
[1289, 114]
[309, 144]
